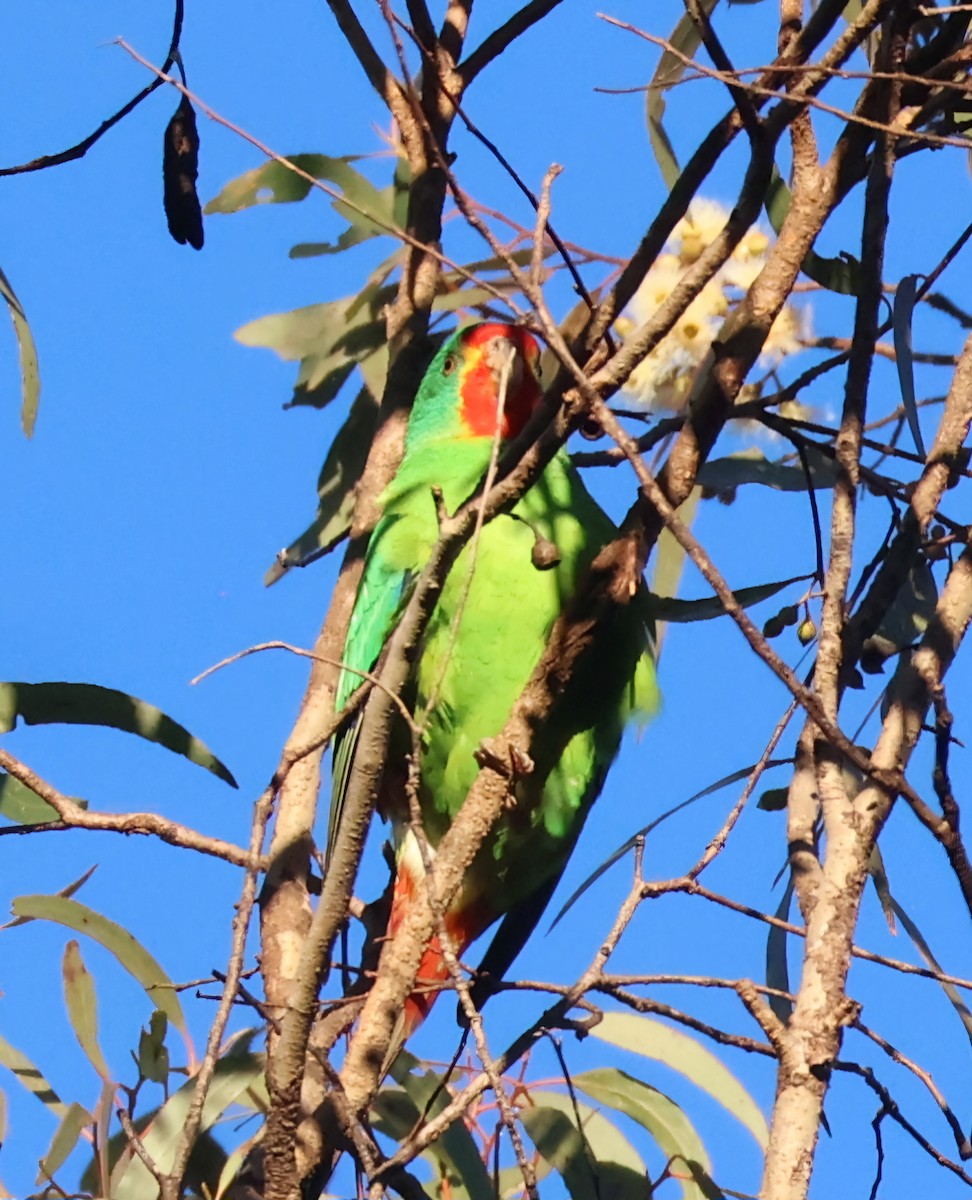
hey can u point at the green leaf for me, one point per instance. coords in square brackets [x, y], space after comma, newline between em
[24, 807]
[664, 1120]
[327, 339]
[917, 937]
[455, 1152]
[234, 1074]
[906, 619]
[655, 1040]
[841, 275]
[65, 891]
[117, 941]
[153, 1057]
[275, 183]
[774, 799]
[31, 1078]
[663, 609]
[90, 704]
[342, 469]
[777, 969]
[82, 1007]
[64, 1141]
[901, 317]
[670, 559]
[685, 37]
[752, 466]
[594, 1161]
[29, 372]
[629, 844]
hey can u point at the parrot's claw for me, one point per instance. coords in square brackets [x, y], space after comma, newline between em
[513, 765]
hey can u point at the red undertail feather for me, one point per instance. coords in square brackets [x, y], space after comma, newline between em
[463, 924]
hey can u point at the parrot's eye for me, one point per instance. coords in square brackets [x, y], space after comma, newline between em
[450, 364]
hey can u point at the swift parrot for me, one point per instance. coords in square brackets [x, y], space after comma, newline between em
[480, 647]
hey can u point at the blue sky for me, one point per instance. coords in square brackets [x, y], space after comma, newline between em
[165, 474]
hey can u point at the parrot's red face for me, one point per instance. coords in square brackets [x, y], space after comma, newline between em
[490, 354]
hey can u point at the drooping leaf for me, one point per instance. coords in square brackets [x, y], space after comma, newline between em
[685, 37]
[655, 1040]
[82, 1006]
[70, 890]
[275, 183]
[906, 619]
[841, 275]
[669, 560]
[595, 1160]
[24, 807]
[29, 371]
[902, 314]
[65, 1139]
[777, 969]
[663, 609]
[454, 1154]
[664, 1120]
[629, 844]
[90, 704]
[923, 948]
[234, 1074]
[130, 954]
[752, 466]
[153, 1057]
[31, 1078]
[342, 469]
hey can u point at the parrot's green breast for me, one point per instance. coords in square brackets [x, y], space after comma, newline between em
[484, 639]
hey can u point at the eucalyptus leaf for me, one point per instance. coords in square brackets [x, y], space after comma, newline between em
[841, 275]
[342, 469]
[901, 318]
[454, 1152]
[89, 704]
[752, 466]
[153, 1057]
[65, 1139]
[595, 1160]
[32, 1079]
[276, 183]
[234, 1074]
[82, 1007]
[685, 37]
[669, 563]
[905, 620]
[129, 953]
[667, 609]
[29, 371]
[24, 807]
[656, 1040]
[668, 1125]
[777, 969]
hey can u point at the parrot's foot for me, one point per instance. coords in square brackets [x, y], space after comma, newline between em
[514, 765]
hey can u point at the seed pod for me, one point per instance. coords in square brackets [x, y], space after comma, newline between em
[806, 631]
[180, 167]
[773, 627]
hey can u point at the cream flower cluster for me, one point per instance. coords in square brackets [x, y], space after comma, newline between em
[664, 378]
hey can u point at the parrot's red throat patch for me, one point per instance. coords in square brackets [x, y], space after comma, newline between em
[495, 351]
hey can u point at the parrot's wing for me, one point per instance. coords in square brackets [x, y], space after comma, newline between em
[381, 596]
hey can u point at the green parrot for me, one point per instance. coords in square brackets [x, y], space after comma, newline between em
[486, 635]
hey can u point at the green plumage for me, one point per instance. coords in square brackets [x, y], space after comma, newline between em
[476, 669]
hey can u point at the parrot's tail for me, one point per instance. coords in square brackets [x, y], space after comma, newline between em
[464, 922]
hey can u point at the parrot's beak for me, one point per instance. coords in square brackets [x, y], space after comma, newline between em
[504, 356]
